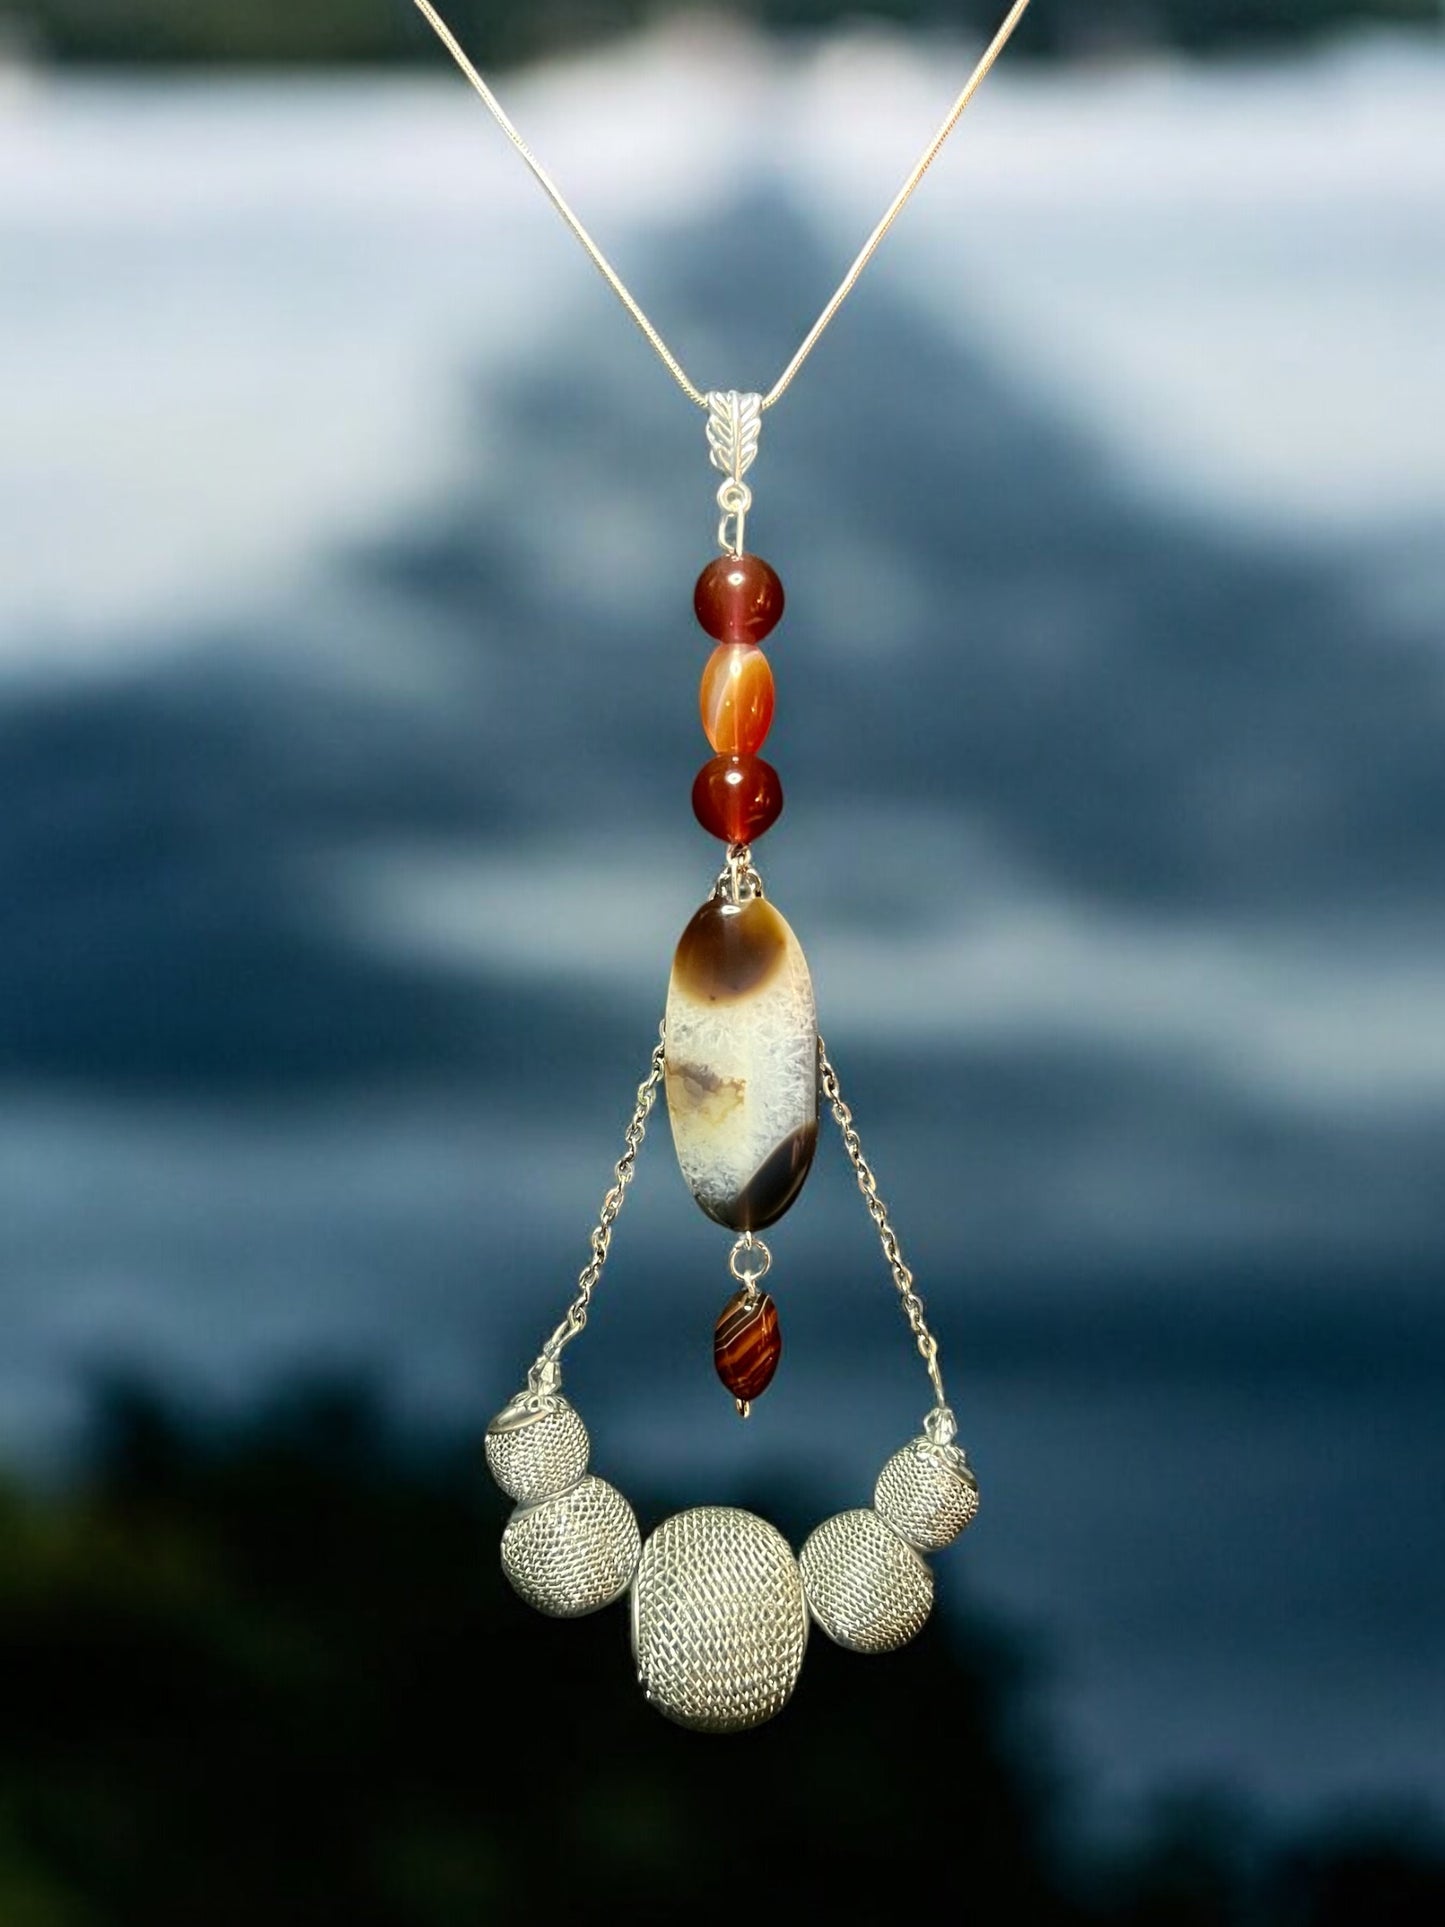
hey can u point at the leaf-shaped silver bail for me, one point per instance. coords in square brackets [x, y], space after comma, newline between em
[734, 425]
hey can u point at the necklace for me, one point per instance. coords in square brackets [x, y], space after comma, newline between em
[720, 1606]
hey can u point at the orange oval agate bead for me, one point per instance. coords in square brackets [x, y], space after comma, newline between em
[736, 698]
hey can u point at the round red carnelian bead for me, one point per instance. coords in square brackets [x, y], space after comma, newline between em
[738, 598]
[736, 698]
[737, 798]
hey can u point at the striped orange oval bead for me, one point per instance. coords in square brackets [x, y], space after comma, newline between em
[736, 698]
[747, 1344]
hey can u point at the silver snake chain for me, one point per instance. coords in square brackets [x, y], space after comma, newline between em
[614, 280]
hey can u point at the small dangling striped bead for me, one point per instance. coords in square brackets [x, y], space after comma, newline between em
[747, 1344]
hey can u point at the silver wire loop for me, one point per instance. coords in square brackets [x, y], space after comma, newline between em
[748, 1246]
[734, 499]
[878, 1211]
[610, 275]
[544, 1380]
[738, 881]
[940, 1426]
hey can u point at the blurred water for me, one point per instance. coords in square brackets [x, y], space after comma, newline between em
[346, 724]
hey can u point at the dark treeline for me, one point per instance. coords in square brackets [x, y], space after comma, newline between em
[273, 1675]
[503, 32]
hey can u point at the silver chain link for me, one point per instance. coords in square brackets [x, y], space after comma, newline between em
[749, 1245]
[601, 1239]
[887, 1236]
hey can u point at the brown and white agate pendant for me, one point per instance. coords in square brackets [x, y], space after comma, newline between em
[742, 1062]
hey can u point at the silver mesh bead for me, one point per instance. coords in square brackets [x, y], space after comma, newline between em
[535, 1454]
[573, 1554]
[868, 1590]
[928, 1493]
[719, 1622]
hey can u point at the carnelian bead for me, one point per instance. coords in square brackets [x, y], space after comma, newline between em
[738, 598]
[737, 798]
[736, 698]
[747, 1344]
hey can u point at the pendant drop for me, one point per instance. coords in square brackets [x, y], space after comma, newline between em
[721, 1607]
[742, 1062]
[746, 1345]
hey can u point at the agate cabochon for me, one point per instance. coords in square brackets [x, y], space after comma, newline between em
[742, 1062]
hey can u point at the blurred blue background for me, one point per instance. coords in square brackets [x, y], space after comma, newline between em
[347, 723]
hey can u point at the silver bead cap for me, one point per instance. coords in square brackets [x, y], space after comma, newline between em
[927, 1492]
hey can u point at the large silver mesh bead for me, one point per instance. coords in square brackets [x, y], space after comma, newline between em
[536, 1455]
[928, 1493]
[573, 1554]
[719, 1622]
[868, 1590]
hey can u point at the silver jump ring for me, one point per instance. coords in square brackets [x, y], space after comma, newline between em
[940, 1426]
[746, 1275]
[738, 881]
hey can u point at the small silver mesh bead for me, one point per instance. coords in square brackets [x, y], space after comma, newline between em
[928, 1493]
[540, 1457]
[719, 1622]
[573, 1554]
[868, 1590]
